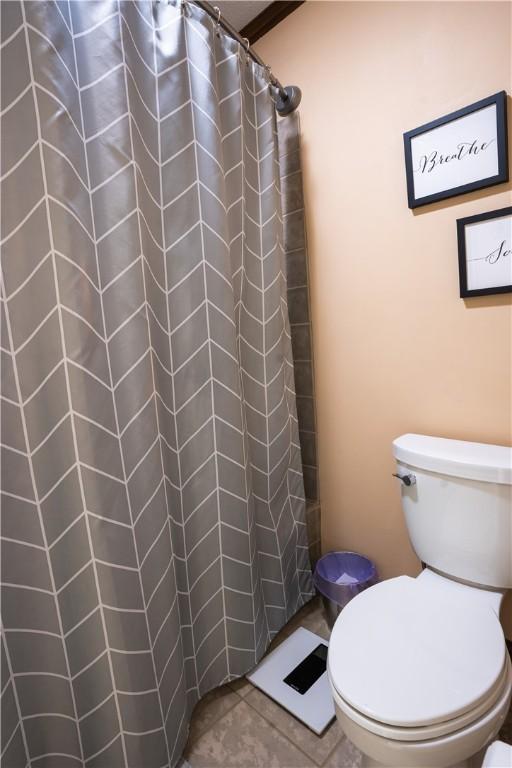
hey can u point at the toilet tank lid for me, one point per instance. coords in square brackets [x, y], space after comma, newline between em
[459, 458]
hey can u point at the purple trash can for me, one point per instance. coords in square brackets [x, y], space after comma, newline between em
[340, 576]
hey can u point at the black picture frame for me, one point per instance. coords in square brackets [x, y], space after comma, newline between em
[465, 293]
[500, 100]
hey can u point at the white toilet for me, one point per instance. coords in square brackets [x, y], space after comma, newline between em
[418, 668]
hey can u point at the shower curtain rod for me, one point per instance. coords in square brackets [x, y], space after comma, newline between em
[288, 97]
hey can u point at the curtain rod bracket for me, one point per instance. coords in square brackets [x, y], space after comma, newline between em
[288, 99]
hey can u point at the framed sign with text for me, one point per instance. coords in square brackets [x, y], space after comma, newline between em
[485, 253]
[458, 153]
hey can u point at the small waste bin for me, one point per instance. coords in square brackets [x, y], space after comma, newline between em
[340, 576]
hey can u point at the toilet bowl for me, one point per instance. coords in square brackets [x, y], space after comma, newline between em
[419, 672]
[418, 667]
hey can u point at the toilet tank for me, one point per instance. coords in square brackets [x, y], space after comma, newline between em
[459, 509]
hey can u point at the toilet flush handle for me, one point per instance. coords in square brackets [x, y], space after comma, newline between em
[406, 479]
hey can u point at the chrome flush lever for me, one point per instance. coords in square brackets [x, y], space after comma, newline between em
[406, 479]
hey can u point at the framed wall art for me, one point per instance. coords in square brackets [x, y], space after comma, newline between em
[485, 253]
[458, 153]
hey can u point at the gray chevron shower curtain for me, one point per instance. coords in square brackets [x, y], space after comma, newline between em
[153, 517]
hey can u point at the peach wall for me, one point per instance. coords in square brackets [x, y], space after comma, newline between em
[396, 349]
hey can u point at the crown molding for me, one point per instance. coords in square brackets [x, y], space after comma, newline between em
[268, 19]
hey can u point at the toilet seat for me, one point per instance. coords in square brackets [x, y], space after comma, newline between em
[380, 637]
[436, 730]
[437, 752]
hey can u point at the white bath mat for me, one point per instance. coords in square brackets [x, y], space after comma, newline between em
[306, 693]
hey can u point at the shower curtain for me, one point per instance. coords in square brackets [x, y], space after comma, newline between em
[153, 516]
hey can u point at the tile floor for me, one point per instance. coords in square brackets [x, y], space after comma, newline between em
[237, 726]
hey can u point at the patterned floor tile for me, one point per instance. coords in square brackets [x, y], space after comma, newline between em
[210, 709]
[317, 747]
[241, 686]
[243, 739]
[346, 755]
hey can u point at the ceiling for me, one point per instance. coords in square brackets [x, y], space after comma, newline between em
[240, 12]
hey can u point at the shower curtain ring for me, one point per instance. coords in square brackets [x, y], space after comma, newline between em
[217, 23]
[271, 84]
[247, 46]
